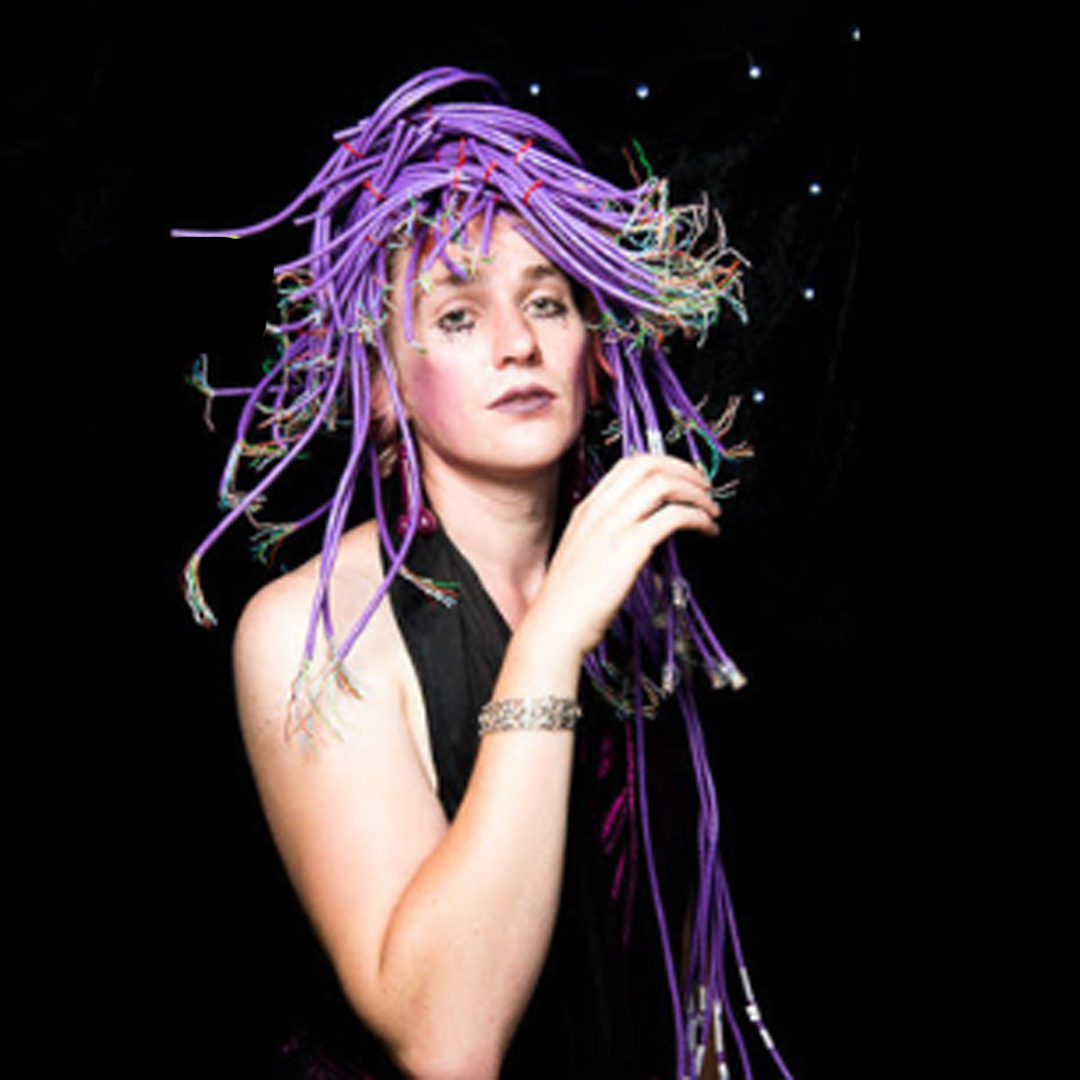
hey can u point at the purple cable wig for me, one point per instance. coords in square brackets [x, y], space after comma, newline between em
[419, 177]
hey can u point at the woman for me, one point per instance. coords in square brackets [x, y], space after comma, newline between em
[467, 851]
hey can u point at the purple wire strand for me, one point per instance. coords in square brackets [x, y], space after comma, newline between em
[653, 875]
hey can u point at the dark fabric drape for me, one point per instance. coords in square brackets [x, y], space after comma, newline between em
[601, 1009]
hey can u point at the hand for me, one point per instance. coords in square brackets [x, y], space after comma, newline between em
[639, 504]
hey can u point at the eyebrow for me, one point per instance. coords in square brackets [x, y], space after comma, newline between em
[542, 271]
[536, 272]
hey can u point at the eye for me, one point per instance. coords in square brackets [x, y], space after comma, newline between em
[547, 307]
[456, 321]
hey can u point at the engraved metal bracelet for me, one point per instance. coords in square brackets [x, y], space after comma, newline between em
[530, 714]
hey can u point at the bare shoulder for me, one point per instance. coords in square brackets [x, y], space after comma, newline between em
[271, 637]
[357, 570]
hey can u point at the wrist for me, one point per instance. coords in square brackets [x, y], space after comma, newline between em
[540, 661]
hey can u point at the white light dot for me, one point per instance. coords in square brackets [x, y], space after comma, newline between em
[758, 397]
[815, 188]
[856, 34]
[809, 293]
[642, 91]
[754, 71]
[534, 89]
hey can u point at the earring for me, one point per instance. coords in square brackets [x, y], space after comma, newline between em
[427, 523]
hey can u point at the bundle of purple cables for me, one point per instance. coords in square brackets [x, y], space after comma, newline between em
[411, 179]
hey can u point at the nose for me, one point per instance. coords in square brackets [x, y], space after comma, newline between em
[515, 342]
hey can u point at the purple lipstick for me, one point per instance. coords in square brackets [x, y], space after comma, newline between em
[523, 399]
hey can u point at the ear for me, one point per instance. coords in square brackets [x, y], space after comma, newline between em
[384, 422]
[596, 367]
[382, 409]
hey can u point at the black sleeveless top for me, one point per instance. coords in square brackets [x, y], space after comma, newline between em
[601, 1010]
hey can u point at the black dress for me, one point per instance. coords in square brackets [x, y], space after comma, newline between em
[601, 1010]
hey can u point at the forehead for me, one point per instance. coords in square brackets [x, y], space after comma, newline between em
[463, 261]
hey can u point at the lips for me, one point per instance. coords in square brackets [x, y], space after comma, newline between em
[523, 399]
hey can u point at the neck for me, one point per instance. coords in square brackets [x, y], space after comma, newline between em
[503, 528]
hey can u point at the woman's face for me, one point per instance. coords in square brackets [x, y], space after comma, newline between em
[495, 382]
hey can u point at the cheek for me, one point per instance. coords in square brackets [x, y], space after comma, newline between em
[420, 390]
[432, 395]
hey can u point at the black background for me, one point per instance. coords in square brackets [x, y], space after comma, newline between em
[167, 938]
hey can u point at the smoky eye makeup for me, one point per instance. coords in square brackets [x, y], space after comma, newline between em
[458, 320]
[548, 307]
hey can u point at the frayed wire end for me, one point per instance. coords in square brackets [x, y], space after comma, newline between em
[314, 711]
[194, 595]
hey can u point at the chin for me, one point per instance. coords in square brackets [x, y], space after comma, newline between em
[518, 452]
[522, 466]
[535, 453]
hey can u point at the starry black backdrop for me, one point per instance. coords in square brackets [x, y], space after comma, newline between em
[168, 936]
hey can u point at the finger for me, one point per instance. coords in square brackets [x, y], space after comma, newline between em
[647, 474]
[673, 518]
[663, 489]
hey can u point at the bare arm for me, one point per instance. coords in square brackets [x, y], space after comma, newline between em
[438, 932]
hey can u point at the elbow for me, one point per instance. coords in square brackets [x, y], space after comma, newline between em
[444, 1048]
[449, 1039]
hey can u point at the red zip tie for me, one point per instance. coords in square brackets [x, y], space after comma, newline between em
[455, 183]
[528, 194]
[524, 148]
[355, 153]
